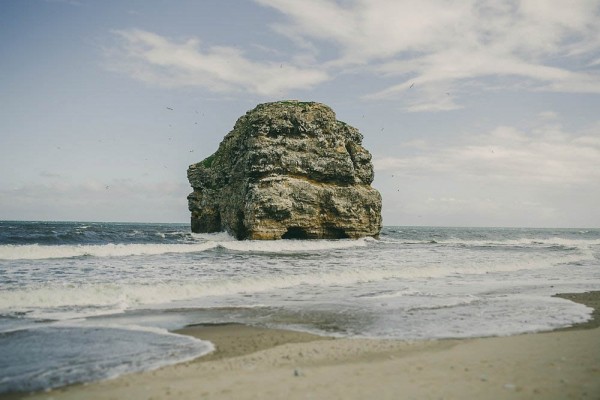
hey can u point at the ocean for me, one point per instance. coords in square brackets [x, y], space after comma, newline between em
[84, 301]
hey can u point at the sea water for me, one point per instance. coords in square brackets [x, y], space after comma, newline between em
[89, 301]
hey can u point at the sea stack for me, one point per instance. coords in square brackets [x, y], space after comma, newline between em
[287, 170]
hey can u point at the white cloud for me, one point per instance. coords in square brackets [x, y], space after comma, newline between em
[546, 155]
[157, 60]
[548, 115]
[68, 2]
[543, 176]
[117, 200]
[366, 30]
[438, 43]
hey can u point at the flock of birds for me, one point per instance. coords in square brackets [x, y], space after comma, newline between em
[107, 187]
[195, 123]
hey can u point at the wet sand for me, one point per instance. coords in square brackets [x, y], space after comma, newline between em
[590, 299]
[232, 340]
[260, 363]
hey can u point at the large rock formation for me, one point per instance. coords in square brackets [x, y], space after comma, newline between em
[287, 170]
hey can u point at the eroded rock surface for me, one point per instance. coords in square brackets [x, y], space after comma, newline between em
[288, 169]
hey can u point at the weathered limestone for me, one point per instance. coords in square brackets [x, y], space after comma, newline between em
[287, 170]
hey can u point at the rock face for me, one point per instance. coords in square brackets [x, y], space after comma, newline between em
[287, 170]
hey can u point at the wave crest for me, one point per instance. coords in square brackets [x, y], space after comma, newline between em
[40, 252]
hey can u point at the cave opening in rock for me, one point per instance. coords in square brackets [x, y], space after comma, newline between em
[335, 233]
[240, 232]
[295, 232]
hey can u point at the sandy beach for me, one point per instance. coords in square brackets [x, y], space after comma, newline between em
[260, 363]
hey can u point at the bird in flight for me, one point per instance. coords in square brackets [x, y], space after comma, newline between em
[169, 108]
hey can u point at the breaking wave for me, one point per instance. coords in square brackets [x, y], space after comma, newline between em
[40, 252]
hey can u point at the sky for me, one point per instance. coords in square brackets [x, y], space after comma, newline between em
[476, 112]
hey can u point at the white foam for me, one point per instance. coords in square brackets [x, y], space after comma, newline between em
[223, 240]
[522, 242]
[213, 237]
[279, 246]
[68, 301]
[491, 316]
[38, 252]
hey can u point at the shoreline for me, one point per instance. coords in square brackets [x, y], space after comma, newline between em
[234, 339]
[589, 299]
[255, 363]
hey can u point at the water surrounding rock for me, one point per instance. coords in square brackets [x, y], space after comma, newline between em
[288, 169]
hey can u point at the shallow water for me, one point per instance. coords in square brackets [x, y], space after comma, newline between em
[84, 291]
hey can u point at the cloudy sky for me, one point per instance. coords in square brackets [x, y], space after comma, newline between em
[477, 112]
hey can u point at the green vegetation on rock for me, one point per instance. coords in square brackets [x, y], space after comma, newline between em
[207, 162]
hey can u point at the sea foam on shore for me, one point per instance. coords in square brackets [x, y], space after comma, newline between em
[260, 363]
[96, 280]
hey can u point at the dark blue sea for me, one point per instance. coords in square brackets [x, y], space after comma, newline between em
[83, 301]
